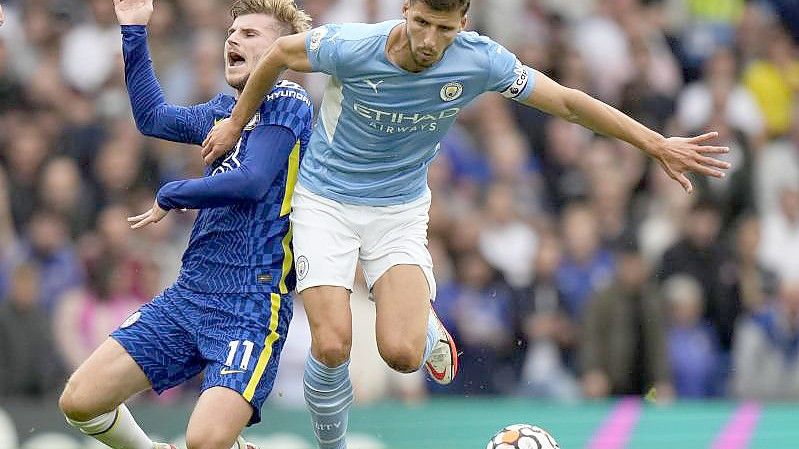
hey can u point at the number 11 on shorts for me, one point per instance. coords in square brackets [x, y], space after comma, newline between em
[234, 347]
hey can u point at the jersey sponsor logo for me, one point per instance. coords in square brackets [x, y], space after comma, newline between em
[301, 266]
[130, 320]
[518, 85]
[451, 91]
[372, 84]
[316, 38]
[285, 93]
[392, 122]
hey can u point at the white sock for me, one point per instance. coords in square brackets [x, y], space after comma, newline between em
[117, 429]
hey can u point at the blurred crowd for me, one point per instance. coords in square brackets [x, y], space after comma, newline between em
[568, 265]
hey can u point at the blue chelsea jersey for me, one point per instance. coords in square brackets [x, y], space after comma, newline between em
[379, 126]
[246, 247]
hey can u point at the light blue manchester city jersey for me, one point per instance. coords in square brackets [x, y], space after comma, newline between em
[379, 125]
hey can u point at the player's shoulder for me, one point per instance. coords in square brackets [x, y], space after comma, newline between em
[287, 97]
[222, 101]
[475, 42]
[354, 31]
[476, 49]
[286, 91]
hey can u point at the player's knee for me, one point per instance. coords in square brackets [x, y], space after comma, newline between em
[401, 356]
[209, 437]
[74, 404]
[333, 351]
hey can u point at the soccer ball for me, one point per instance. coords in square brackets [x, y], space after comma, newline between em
[522, 436]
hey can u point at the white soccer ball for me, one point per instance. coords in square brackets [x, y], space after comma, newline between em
[522, 436]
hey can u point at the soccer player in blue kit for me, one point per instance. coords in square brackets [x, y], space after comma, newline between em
[395, 89]
[229, 310]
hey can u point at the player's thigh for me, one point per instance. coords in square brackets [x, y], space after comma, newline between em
[241, 343]
[399, 272]
[330, 320]
[104, 381]
[402, 302]
[325, 244]
[218, 418]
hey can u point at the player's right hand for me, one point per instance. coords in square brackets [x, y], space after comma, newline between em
[2, 17]
[222, 137]
[154, 215]
[133, 12]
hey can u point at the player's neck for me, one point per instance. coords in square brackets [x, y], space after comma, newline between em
[398, 50]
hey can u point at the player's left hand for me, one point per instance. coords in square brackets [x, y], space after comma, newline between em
[2, 17]
[153, 215]
[222, 137]
[680, 155]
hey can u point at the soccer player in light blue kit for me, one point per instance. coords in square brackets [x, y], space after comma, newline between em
[227, 314]
[395, 89]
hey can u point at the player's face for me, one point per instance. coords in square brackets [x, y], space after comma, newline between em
[430, 32]
[248, 39]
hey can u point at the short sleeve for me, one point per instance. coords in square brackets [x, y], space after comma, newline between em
[322, 48]
[288, 105]
[507, 75]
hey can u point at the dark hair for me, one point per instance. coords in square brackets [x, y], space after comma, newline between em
[446, 5]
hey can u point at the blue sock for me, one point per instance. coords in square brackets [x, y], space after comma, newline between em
[432, 337]
[328, 393]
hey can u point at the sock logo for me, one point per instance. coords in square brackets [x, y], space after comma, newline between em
[326, 427]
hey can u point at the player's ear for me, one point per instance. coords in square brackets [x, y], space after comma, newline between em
[405, 5]
[464, 21]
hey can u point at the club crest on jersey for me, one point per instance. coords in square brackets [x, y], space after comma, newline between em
[130, 320]
[451, 91]
[316, 38]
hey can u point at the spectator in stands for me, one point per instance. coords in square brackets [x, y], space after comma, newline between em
[623, 345]
[48, 245]
[484, 325]
[692, 343]
[766, 350]
[746, 283]
[29, 365]
[780, 242]
[586, 267]
[547, 330]
[774, 80]
[698, 254]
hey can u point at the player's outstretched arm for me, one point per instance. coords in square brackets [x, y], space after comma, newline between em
[153, 115]
[288, 52]
[676, 155]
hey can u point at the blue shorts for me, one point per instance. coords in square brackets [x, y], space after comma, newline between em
[235, 337]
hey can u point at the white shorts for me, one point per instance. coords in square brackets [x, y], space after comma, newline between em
[330, 238]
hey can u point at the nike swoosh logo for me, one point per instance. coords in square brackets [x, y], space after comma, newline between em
[436, 374]
[230, 371]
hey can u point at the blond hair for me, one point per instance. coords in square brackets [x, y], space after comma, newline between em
[284, 11]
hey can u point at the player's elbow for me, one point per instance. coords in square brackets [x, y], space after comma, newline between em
[145, 123]
[253, 190]
[570, 107]
[288, 52]
[278, 53]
